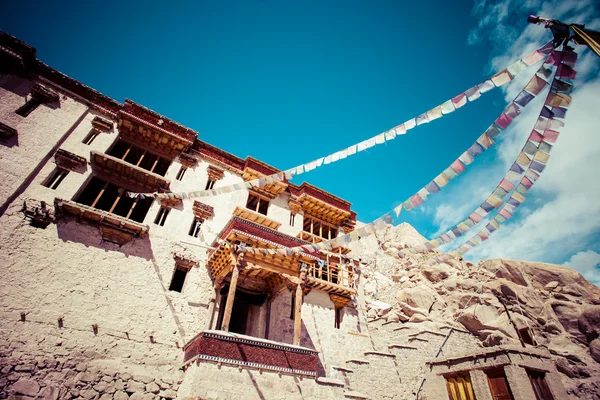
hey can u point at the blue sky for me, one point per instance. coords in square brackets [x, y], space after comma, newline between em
[287, 82]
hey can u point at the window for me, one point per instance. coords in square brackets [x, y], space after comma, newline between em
[105, 196]
[55, 178]
[339, 313]
[210, 184]
[140, 157]
[91, 136]
[293, 308]
[540, 387]
[292, 218]
[319, 228]
[29, 106]
[499, 384]
[195, 228]
[178, 279]
[161, 217]
[181, 173]
[526, 336]
[257, 204]
[459, 387]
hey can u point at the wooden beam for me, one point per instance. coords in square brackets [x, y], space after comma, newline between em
[230, 298]
[297, 315]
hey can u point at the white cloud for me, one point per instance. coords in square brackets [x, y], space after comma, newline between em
[559, 217]
[588, 263]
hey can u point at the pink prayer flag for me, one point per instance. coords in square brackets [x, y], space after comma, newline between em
[458, 167]
[506, 185]
[400, 129]
[535, 136]
[526, 182]
[533, 58]
[505, 214]
[416, 200]
[503, 121]
[475, 217]
[554, 58]
[445, 238]
[459, 100]
[482, 236]
[550, 136]
[566, 72]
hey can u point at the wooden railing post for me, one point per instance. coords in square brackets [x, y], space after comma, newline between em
[231, 293]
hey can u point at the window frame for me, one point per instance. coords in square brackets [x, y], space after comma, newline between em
[90, 137]
[261, 200]
[54, 180]
[161, 216]
[30, 106]
[181, 173]
[332, 229]
[171, 285]
[196, 226]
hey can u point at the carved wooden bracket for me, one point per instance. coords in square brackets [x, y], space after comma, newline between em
[184, 261]
[68, 160]
[202, 211]
[187, 160]
[6, 131]
[294, 204]
[339, 301]
[171, 202]
[101, 124]
[44, 94]
[214, 174]
[40, 214]
[348, 225]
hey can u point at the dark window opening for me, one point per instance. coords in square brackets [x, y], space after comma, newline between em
[499, 384]
[459, 387]
[140, 157]
[293, 308]
[105, 196]
[241, 306]
[339, 314]
[292, 219]
[319, 228]
[29, 106]
[195, 227]
[55, 178]
[210, 184]
[178, 279]
[540, 387]
[181, 173]
[161, 217]
[526, 336]
[90, 137]
[257, 204]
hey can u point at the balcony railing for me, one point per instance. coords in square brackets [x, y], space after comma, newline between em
[341, 275]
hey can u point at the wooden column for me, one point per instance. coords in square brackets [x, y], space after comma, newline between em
[231, 294]
[298, 315]
[212, 305]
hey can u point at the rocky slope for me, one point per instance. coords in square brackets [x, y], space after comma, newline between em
[493, 300]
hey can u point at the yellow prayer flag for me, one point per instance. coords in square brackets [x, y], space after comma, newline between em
[494, 201]
[441, 180]
[518, 197]
[541, 157]
[523, 159]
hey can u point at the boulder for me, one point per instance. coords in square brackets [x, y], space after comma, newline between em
[595, 350]
[380, 307]
[120, 396]
[589, 322]
[27, 387]
[551, 285]
[419, 297]
[507, 269]
[435, 274]
[568, 315]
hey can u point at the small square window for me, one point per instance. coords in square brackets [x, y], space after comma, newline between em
[161, 217]
[195, 227]
[178, 279]
[292, 219]
[339, 313]
[526, 336]
[257, 204]
[57, 176]
[210, 184]
[459, 387]
[181, 173]
[91, 136]
[29, 106]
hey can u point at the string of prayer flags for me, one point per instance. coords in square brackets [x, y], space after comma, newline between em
[537, 164]
[437, 112]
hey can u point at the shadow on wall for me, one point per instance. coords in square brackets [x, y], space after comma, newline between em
[306, 341]
[88, 235]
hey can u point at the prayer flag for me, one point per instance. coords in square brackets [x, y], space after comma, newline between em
[493, 131]
[558, 100]
[423, 193]
[506, 185]
[554, 58]
[530, 148]
[569, 58]
[451, 235]
[503, 121]
[550, 136]
[535, 85]
[475, 217]
[566, 72]
[445, 238]
[481, 212]
[512, 110]
[422, 119]
[466, 158]
[532, 175]
[473, 93]
[518, 197]
[441, 180]
[545, 147]
[485, 141]
[351, 150]
[544, 72]
[462, 227]
[434, 113]
[449, 173]
[522, 189]
[523, 159]
[342, 154]
[494, 201]
[516, 67]
[499, 192]
[398, 210]
[456, 232]
[502, 78]
[390, 135]
[487, 206]
[362, 146]
[516, 168]
[535, 137]
[475, 149]
[469, 223]
[533, 58]
[380, 139]
[432, 187]
[547, 48]
[490, 227]
[495, 223]
[524, 98]
[559, 112]
[328, 158]
[562, 86]
[458, 167]
[400, 129]
[526, 182]
[505, 214]
[371, 142]
[541, 157]
[407, 205]
[411, 123]
[299, 170]
[537, 166]
[459, 100]
[486, 86]
[447, 107]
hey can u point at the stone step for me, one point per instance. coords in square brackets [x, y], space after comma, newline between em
[357, 361]
[353, 394]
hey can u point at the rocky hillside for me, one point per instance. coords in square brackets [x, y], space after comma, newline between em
[493, 300]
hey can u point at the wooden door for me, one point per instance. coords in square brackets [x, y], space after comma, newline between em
[499, 385]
